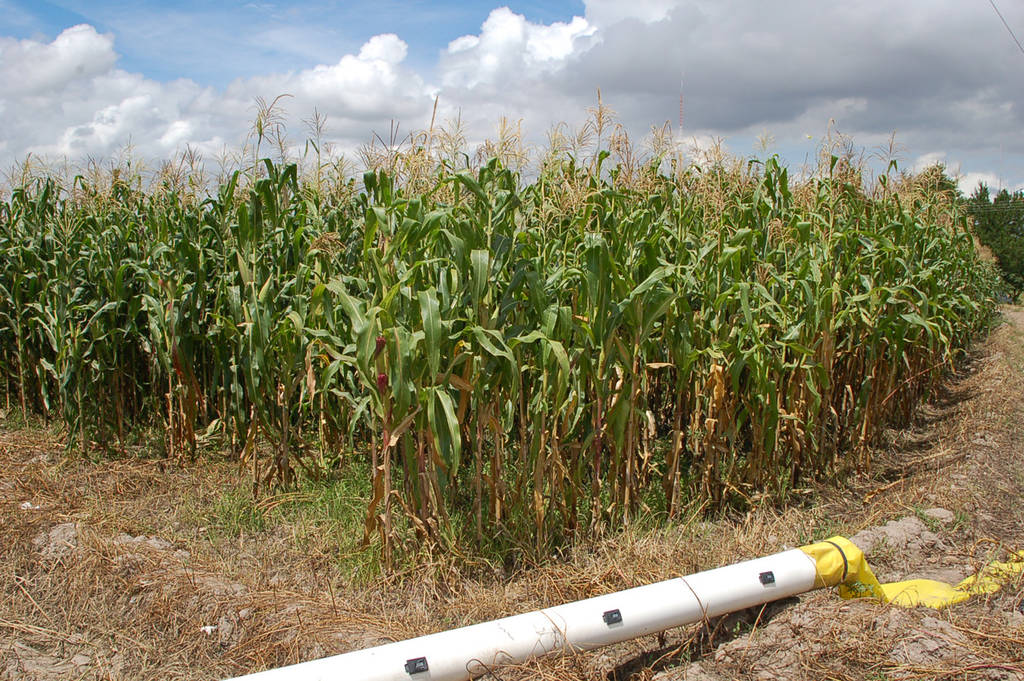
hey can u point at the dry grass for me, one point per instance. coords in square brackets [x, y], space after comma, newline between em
[129, 596]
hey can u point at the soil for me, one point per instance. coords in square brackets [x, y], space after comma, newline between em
[109, 569]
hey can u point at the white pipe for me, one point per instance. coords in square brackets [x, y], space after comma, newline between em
[460, 654]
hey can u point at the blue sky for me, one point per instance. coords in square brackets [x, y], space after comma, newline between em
[82, 80]
[213, 43]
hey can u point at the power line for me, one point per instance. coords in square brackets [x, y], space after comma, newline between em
[1012, 34]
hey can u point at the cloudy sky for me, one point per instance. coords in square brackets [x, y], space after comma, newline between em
[82, 78]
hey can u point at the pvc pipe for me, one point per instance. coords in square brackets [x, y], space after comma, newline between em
[460, 654]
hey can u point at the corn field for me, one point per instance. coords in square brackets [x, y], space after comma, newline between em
[521, 362]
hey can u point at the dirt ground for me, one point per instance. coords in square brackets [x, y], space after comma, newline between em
[108, 570]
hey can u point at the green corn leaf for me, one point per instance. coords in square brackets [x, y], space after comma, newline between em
[431, 317]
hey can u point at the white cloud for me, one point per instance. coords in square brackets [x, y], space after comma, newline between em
[463, 43]
[745, 67]
[968, 182]
[926, 160]
[67, 98]
[607, 12]
[387, 47]
[28, 67]
[177, 133]
[508, 48]
[364, 86]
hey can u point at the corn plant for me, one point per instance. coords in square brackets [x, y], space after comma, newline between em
[521, 364]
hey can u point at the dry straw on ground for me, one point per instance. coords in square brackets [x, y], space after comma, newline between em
[105, 576]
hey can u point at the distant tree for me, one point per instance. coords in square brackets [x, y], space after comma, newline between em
[999, 224]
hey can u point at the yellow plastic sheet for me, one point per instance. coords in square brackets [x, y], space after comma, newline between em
[841, 563]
